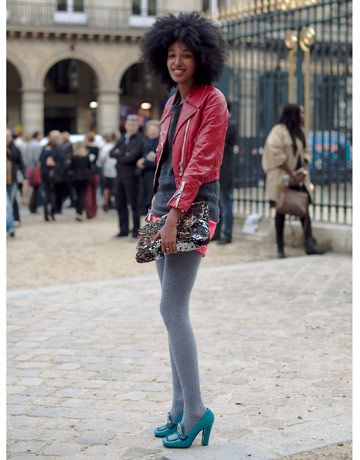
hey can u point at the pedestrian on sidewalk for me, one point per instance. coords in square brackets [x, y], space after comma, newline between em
[80, 173]
[147, 165]
[286, 158]
[127, 151]
[108, 166]
[31, 160]
[49, 170]
[14, 164]
[225, 225]
[94, 181]
[187, 51]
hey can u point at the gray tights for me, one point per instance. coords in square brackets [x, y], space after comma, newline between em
[177, 273]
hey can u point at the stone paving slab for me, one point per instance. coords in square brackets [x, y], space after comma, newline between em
[88, 371]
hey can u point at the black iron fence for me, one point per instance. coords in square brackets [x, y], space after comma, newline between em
[299, 55]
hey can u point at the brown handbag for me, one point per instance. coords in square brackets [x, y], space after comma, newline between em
[294, 202]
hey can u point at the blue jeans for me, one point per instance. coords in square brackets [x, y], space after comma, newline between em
[10, 197]
[226, 211]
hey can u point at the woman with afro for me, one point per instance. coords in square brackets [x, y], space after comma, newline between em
[186, 52]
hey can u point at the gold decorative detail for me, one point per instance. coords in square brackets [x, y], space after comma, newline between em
[291, 43]
[306, 40]
[291, 39]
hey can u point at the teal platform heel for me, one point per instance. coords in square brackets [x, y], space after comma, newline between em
[170, 427]
[181, 440]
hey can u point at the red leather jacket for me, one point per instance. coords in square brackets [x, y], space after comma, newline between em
[198, 143]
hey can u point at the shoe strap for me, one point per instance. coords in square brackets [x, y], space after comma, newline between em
[181, 432]
[170, 423]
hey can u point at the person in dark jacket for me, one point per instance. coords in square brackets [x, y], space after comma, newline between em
[14, 163]
[80, 171]
[49, 159]
[127, 151]
[64, 188]
[226, 182]
[90, 193]
[147, 165]
[31, 159]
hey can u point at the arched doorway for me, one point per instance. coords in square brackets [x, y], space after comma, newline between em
[13, 96]
[142, 94]
[71, 88]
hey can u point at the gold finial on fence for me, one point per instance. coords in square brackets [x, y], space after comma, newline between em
[221, 13]
[252, 7]
[272, 5]
[266, 6]
[246, 9]
[259, 6]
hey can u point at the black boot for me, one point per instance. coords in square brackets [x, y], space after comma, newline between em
[312, 248]
[279, 229]
[46, 215]
[280, 249]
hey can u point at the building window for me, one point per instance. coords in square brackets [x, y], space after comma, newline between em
[143, 13]
[70, 12]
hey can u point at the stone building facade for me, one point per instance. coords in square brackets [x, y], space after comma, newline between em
[76, 63]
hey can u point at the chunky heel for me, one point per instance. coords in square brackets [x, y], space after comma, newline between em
[206, 435]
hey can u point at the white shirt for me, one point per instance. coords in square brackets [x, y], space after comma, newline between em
[106, 162]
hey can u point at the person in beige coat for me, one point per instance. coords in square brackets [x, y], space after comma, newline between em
[286, 158]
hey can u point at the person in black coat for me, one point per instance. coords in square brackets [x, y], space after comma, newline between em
[14, 163]
[127, 151]
[49, 170]
[80, 171]
[225, 224]
[147, 165]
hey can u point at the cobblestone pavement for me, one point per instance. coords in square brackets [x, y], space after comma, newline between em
[89, 377]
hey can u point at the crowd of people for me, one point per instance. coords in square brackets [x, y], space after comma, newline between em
[118, 167]
[53, 170]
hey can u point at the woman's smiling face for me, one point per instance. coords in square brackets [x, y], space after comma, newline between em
[181, 63]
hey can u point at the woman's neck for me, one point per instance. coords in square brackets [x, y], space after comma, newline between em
[184, 89]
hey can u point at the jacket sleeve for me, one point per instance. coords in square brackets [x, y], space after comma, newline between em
[231, 135]
[274, 153]
[207, 152]
[115, 152]
[132, 156]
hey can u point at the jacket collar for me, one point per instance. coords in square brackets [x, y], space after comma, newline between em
[191, 104]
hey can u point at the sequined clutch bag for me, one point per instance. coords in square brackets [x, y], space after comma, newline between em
[192, 233]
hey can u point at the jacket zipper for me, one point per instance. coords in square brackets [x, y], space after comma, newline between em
[181, 164]
[178, 194]
[157, 167]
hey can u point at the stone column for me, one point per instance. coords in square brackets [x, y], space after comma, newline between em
[108, 111]
[32, 110]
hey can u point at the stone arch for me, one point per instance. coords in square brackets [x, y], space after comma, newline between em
[14, 85]
[122, 68]
[88, 59]
[20, 66]
[139, 86]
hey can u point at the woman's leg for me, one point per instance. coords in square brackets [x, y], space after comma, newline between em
[279, 229]
[178, 400]
[179, 275]
[306, 225]
[311, 246]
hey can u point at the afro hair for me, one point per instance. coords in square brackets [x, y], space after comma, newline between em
[199, 34]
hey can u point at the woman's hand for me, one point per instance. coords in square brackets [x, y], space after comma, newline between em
[168, 233]
[298, 177]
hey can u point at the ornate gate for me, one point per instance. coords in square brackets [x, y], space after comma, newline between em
[292, 51]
